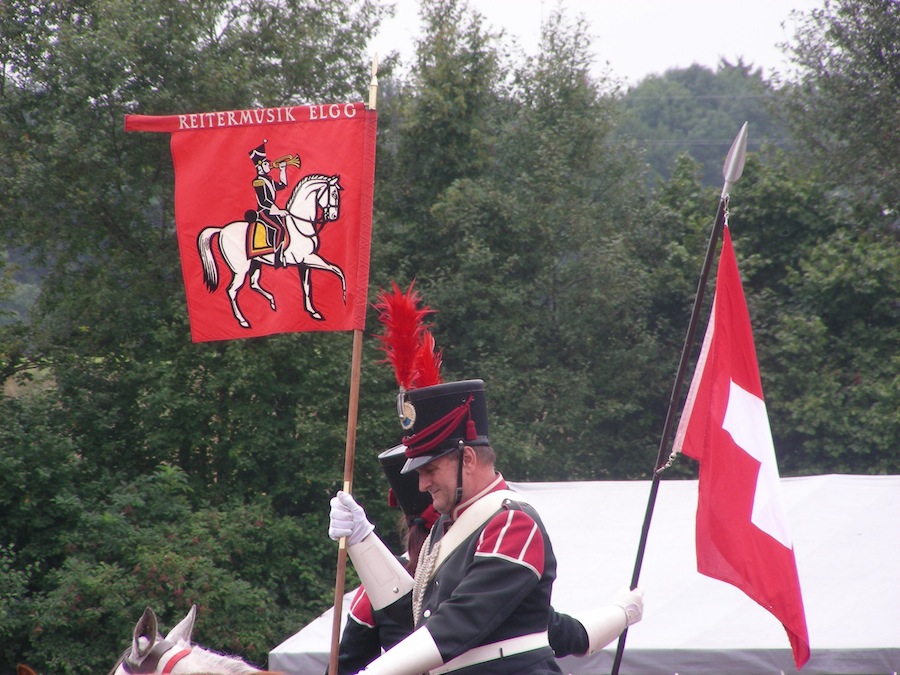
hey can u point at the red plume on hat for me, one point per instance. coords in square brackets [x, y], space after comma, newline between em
[428, 362]
[406, 340]
[409, 348]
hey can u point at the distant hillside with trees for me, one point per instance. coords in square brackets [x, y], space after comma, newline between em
[697, 111]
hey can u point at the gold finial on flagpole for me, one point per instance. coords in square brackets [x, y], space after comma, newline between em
[373, 83]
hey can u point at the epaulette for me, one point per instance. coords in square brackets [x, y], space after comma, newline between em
[512, 504]
[258, 182]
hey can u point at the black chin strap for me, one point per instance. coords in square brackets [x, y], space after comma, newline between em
[459, 468]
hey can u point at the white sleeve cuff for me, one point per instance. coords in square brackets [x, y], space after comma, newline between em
[385, 579]
[603, 625]
[414, 655]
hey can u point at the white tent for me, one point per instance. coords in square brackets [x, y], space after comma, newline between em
[846, 532]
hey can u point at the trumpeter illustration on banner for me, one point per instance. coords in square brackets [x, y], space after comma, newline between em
[268, 213]
[271, 235]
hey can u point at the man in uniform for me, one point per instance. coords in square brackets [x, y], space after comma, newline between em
[480, 601]
[369, 629]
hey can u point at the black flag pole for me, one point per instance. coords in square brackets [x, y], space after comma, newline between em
[731, 172]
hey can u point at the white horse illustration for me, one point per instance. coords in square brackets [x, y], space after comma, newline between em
[313, 194]
[176, 654]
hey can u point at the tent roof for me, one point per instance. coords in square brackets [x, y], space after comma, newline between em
[846, 541]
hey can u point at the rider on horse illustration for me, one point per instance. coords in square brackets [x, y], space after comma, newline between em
[265, 188]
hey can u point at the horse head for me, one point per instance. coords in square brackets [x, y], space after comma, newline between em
[174, 654]
[329, 199]
[316, 192]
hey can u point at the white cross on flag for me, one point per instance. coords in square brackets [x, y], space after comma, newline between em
[742, 532]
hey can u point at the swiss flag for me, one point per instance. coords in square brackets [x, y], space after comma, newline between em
[742, 531]
[305, 267]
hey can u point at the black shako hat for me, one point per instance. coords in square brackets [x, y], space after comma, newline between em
[258, 154]
[442, 418]
[404, 490]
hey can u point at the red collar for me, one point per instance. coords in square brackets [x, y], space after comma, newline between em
[497, 484]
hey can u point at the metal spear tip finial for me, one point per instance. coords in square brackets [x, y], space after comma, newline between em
[734, 160]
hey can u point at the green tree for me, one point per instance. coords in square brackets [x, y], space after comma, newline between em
[438, 132]
[577, 196]
[698, 111]
[834, 363]
[843, 107]
[14, 580]
[146, 543]
[517, 249]
[833, 360]
[253, 427]
[452, 91]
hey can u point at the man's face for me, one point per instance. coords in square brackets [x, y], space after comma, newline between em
[264, 166]
[439, 478]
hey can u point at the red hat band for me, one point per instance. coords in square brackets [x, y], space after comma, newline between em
[439, 431]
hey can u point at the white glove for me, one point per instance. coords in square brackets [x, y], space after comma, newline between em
[632, 602]
[348, 519]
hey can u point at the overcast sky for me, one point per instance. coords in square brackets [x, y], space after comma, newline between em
[638, 37]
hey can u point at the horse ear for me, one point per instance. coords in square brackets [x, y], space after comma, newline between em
[22, 669]
[185, 627]
[148, 628]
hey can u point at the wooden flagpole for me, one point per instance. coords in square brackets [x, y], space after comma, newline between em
[349, 455]
[349, 450]
[731, 171]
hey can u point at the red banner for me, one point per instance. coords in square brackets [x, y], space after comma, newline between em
[273, 213]
[742, 530]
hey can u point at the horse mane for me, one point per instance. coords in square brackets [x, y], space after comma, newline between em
[219, 664]
[313, 177]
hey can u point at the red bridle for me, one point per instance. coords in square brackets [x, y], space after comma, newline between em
[175, 659]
